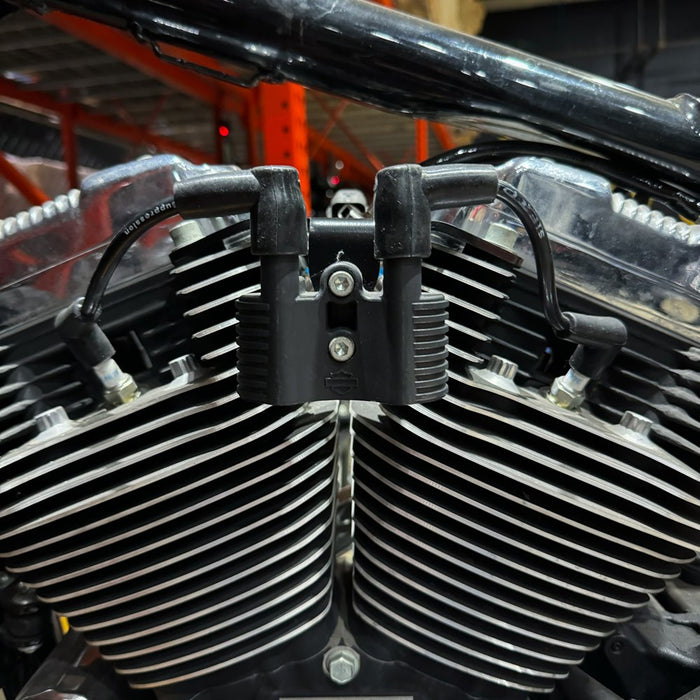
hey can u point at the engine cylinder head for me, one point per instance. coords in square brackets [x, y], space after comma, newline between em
[187, 532]
[209, 274]
[507, 558]
[500, 537]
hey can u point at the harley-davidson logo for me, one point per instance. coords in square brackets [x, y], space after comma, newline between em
[341, 382]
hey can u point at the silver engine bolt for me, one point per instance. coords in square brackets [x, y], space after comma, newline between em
[54, 418]
[186, 232]
[502, 367]
[341, 664]
[185, 366]
[341, 283]
[636, 423]
[498, 373]
[502, 235]
[341, 348]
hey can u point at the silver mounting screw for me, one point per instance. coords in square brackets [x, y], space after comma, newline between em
[341, 283]
[502, 367]
[341, 348]
[52, 418]
[341, 664]
[636, 423]
[185, 366]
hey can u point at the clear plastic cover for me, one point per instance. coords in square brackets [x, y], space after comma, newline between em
[48, 253]
[605, 245]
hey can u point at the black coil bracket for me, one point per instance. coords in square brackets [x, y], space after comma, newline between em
[341, 340]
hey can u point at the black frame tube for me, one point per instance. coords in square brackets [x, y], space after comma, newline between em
[369, 53]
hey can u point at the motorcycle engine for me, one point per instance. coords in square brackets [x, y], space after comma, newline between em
[451, 510]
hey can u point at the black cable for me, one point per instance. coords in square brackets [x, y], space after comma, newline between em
[121, 242]
[632, 176]
[601, 332]
[537, 233]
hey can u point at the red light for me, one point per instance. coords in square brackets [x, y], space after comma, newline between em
[224, 130]
[334, 180]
